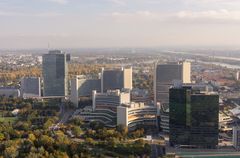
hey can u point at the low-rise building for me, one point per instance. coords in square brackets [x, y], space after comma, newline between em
[104, 107]
[135, 115]
[9, 92]
[114, 108]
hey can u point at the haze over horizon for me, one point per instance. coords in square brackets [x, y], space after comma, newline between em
[118, 23]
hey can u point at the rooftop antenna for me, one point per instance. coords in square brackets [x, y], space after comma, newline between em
[48, 46]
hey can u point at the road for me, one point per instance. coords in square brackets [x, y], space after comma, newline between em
[199, 155]
[157, 146]
[66, 113]
[156, 150]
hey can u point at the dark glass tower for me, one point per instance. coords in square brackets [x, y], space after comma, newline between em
[193, 117]
[55, 73]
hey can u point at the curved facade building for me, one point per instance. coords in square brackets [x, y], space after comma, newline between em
[104, 107]
[137, 115]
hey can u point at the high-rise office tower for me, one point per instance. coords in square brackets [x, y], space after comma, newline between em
[193, 117]
[30, 87]
[165, 75]
[116, 79]
[82, 86]
[55, 73]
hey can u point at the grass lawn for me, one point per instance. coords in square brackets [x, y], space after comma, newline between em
[8, 119]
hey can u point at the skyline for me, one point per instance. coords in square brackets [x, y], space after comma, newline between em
[118, 23]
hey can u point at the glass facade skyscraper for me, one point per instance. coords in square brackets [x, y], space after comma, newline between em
[55, 73]
[193, 117]
[164, 77]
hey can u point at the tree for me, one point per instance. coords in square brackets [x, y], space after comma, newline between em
[14, 134]
[122, 129]
[90, 141]
[31, 137]
[45, 141]
[11, 152]
[48, 124]
[96, 125]
[62, 140]
[77, 131]
[77, 121]
[138, 133]
[59, 154]
[2, 137]
[22, 126]
[25, 148]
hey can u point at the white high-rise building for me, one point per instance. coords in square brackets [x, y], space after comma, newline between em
[82, 86]
[164, 77]
[113, 79]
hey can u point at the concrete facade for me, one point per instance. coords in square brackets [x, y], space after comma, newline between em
[30, 87]
[164, 77]
[10, 92]
[114, 79]
[82, 86]
[134, 115]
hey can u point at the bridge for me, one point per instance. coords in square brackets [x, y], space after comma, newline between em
[51, 97]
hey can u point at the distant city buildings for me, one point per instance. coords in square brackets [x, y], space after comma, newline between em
[116, 79]
[237, 75]
[194, 117]
[30, 87]
[187, 112]
[55, 73]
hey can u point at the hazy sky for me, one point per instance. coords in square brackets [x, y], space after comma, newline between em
[118, 23]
